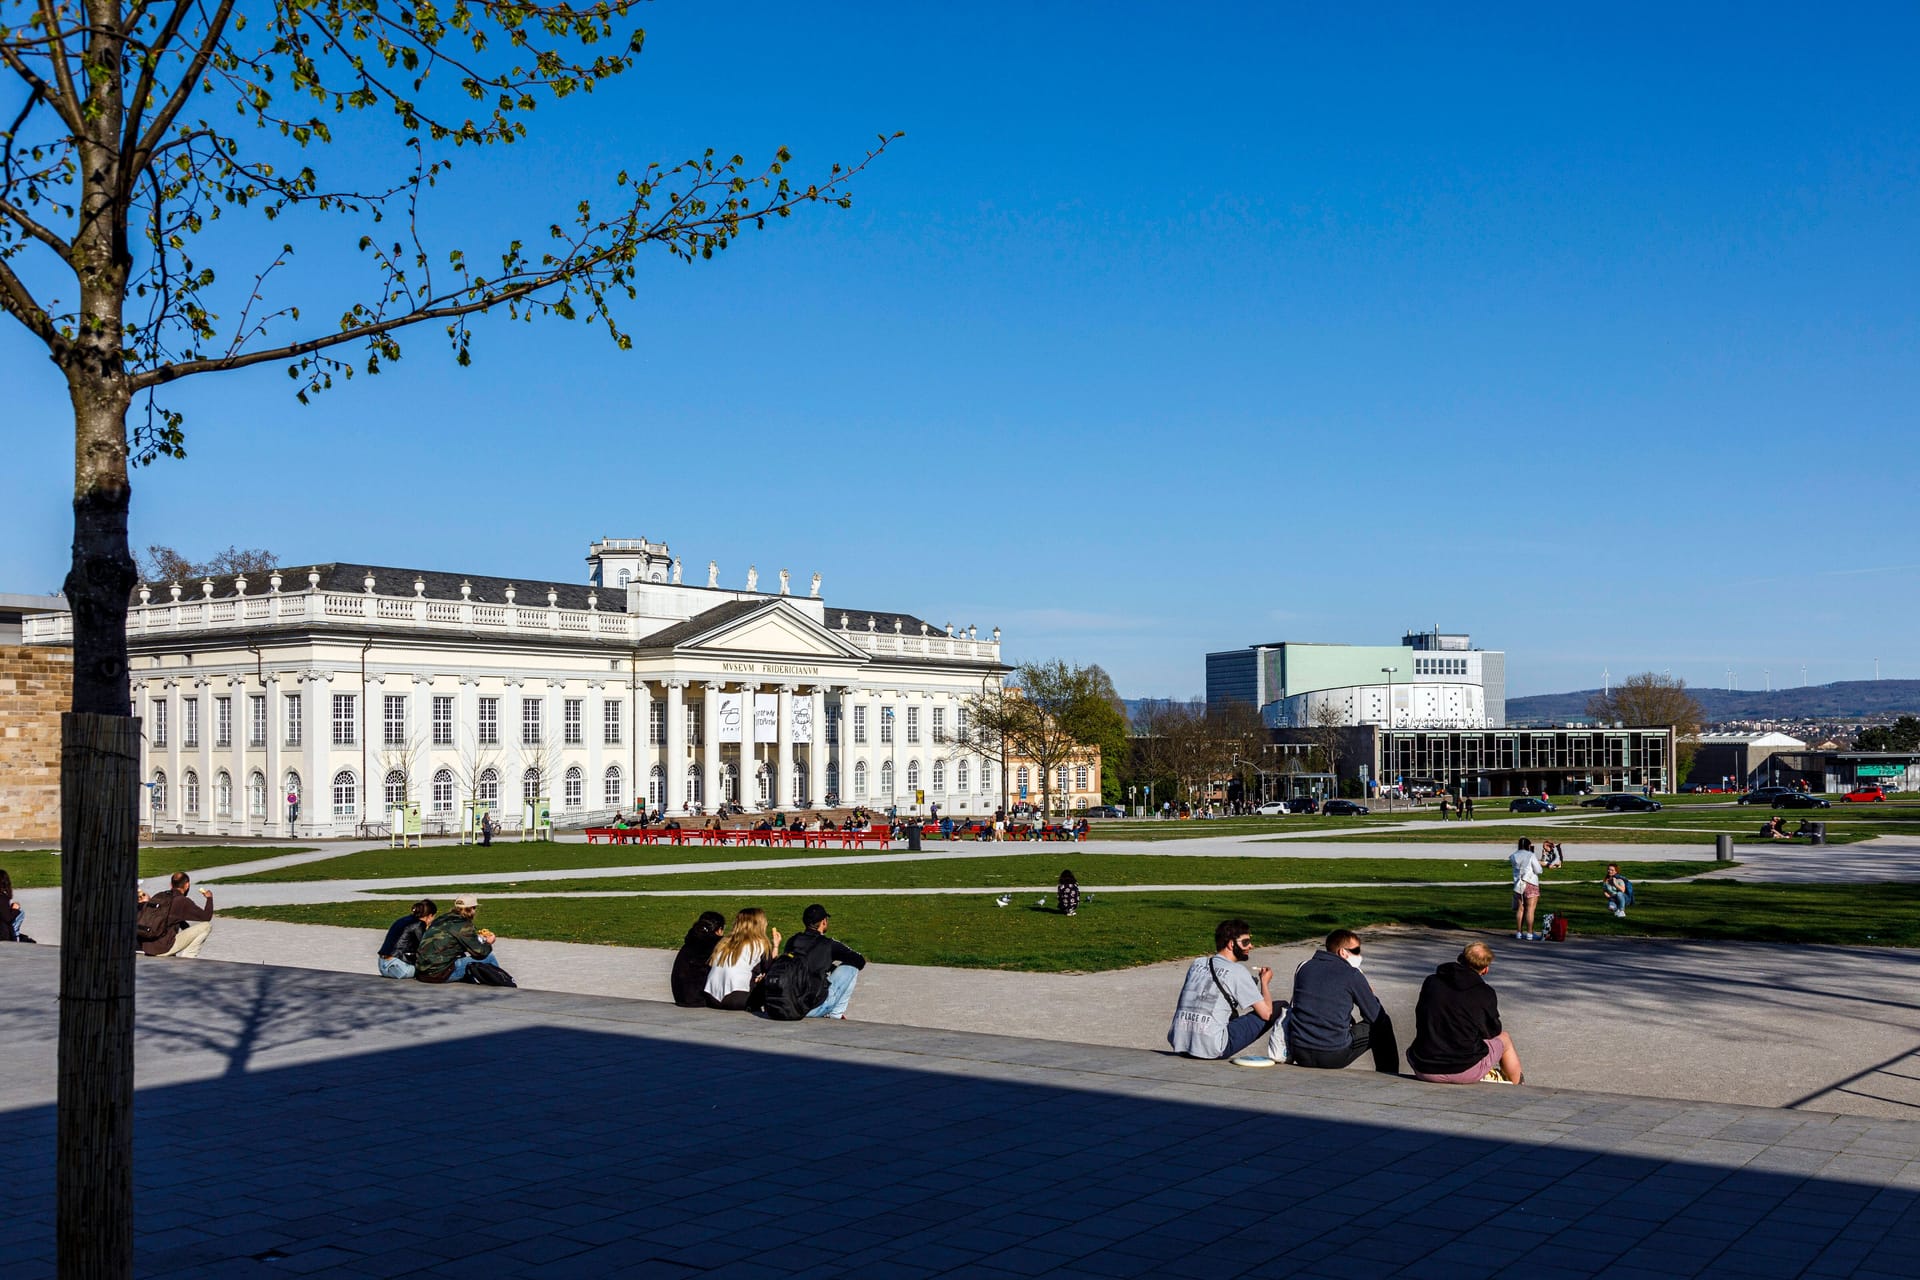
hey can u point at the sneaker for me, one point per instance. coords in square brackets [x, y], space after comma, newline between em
[1521, 937]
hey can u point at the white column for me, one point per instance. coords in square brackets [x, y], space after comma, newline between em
[676, 792]
[749, 791]
[276, 737]
[315, 734]
[850, 696]
[782, 790]
[638, 759]
[593, 733]
[816, 750]
[710, 744]
[237, 767]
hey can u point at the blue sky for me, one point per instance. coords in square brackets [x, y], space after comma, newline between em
[1168, 329]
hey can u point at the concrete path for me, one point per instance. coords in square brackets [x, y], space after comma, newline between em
[330, 1124]
[1826, 1028]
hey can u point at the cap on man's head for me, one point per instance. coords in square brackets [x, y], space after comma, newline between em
[465, 902]
[813, 915]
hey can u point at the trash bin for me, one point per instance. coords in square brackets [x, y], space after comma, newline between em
[913, 836]
[1816, 833]
[1723, 848]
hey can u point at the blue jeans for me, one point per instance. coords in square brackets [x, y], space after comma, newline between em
[839, 992]
[392, 968]
[460, 966]
[19, 925]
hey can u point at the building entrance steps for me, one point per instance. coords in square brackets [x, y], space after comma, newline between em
[329, 1124]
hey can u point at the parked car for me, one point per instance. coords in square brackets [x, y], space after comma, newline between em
[1343, 808]
[1627, 801]
[1766, 795]
[1864, 795]
[1530, 804]
[1273, 809]
[1105, 811]
[1303, 804]
[1595, 802]
[1801, 800]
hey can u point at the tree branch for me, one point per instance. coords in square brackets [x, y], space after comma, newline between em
[131, 154]
[62, 74]
[18, 301]
[26, 223]
[183, 92]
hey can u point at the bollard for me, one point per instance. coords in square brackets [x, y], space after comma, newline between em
[1723, 848]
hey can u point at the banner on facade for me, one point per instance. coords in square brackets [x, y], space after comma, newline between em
[766, 718]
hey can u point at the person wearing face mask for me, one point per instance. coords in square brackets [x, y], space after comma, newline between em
[1222, 1007]
[1321, 1031]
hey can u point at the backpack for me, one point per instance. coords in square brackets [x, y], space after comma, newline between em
[150, 922]
[1556, 928]
[791, 991]
[489, 975]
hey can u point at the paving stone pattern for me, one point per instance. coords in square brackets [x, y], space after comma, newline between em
[329, 1124]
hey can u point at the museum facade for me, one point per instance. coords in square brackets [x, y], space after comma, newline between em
[313, 701]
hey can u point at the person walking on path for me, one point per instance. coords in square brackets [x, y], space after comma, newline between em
[1526, 890]
[1222, 1008]
[1327, 989]
[1457, 1037]
[170, 923]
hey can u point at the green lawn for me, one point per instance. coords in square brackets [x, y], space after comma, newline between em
[1119, 930]
[41, 870]
[505, 858]
[1093, 871]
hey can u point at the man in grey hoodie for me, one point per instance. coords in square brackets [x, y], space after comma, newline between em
[1321, 1031]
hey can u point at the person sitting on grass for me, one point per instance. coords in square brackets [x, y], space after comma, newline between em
[829, 960]
[692, 965]
[739, 960]
[1223, 1008]
[1327, 989]
[1776, 829]
[1457, 1037]
[1619, 891]
[1069, 894]
[402, 946]
[452, 944]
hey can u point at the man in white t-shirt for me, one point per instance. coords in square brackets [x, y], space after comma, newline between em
[1526, 890]
[1222, 1007]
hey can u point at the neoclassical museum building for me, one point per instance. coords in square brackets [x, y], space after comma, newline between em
[312, 700]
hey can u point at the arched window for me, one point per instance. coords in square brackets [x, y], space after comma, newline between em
[1020, 778]
[531, 784]
[394, 788]
[730, 783]
[657, 787]
[886, 778]
[487, 791]
[223, 794]
[833, 781]
[799, 785]
[939, 775]
[1080, 777]
[443, 791]
[626, 576]
[190, 792]
[696, 786]
[573, 792]
[1060, 780]
[860, 780]
[292, 790]
[960, 776]
[613, 789]
[346, 794]
[763, 784]
[986, 777]
[913, 775]
[159, 790]
[256, 794]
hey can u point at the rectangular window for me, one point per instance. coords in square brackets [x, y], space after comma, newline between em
[571, 711]
[157, 724]
[913, 726]
[256, 719]
[960, 723]
[886, 725]
[488, 727]
[696, 731]
[344, 719]
[293, 706]
[442, 719]
[530, 722]
[190, 713]
[394, 706]
[939, 724]
[223, 722]
[615, 728]
[657, 724]
[833, 727]
[859, 726]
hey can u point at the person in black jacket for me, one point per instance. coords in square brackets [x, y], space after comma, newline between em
[402, 944]
[690, 967]
[825, 958]
[1457, 1034]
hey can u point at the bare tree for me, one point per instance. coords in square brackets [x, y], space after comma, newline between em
[1328, 735]
[136, 128]
[405, 758]
[1650, 700]
[474, 760]
[164, 564]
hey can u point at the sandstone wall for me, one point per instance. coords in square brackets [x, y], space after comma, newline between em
[36, 685]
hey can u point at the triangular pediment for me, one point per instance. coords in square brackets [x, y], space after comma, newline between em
[775, 631]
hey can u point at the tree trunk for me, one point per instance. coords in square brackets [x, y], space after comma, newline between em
[99, 776]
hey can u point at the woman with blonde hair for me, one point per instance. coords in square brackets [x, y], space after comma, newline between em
[739, 959]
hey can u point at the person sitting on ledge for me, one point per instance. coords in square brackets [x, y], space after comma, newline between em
[739, 960]
[1457, 1037]
[620, 822]
[1222, 1008]
[692, 965]
[833, 963]
[1326, 991]
[451, 944]
[402, 945]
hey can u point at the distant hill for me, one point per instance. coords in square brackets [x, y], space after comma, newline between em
[1846, 700]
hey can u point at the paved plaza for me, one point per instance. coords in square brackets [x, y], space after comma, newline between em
[312, 1123]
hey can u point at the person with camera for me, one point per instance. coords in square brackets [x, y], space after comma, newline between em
[1222, 1007]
